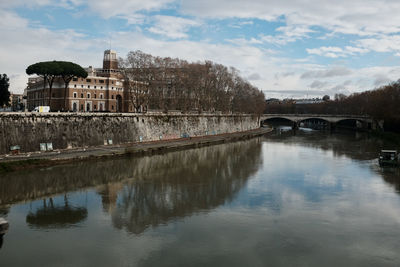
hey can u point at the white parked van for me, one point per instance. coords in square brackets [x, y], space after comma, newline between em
[41, 109]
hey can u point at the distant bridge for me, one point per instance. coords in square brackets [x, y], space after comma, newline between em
[365, 122]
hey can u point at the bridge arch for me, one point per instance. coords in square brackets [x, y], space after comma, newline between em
[279, 120]
[355, 123]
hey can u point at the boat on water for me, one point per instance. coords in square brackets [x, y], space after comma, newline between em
[3, 226]
[389, 158]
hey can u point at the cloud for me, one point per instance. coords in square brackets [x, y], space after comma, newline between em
[381, 79]
[328, 73]
[108, 9]
[288, 34]
[358, 17]
[254, 77]
[172, 27]
[382, 44]
[318, 84]
[22, 45]
[335, 52]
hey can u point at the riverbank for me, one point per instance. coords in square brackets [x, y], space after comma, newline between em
[9, 163]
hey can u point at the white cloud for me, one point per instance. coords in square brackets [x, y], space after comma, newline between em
[172, 27]
[327, 73]
[381, 44]
[336, 52]
[108, 9]
[360, 17]
[22, 45]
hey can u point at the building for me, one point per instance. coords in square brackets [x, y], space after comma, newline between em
[102, 91]
[16, 101]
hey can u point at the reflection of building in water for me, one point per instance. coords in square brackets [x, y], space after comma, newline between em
[142, 191]
[109, 194]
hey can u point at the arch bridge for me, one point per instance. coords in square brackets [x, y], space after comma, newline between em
[364, 122]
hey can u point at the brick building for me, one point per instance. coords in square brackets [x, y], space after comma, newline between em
[102, 91]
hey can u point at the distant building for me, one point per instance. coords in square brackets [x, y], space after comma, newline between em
[308, 101]
[16, 102]
[102, 91]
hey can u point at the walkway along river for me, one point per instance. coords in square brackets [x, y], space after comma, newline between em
[310, 199]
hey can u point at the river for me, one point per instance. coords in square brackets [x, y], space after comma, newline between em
[304, 199]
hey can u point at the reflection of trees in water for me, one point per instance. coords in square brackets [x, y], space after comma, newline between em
[4, 210]
[352, 144]
[357, 146]
[391, 176]
[173, 184]
[181, 183]
[56, 216]
[35, 184]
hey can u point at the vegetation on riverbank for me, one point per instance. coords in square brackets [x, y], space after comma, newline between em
[9, 166]
[165, 83]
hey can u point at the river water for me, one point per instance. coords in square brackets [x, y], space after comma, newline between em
[309, 199]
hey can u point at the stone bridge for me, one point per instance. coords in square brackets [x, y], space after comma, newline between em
[365, 122]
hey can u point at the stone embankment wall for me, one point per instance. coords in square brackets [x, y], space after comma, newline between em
[71, 130]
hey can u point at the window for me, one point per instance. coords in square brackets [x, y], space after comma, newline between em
[95, 87]
[88, 80]
[112, 82]
[112, 107]
[81, 95]
[95, 96]
[81, 86]
[88, 86]
[74, 94]
[74, 85]
[101, 96]
[112, 97]
[88, 95]
[112, 88]
[95, 107]
[82, 107]
[74, 79]
[101, 81]
[101, 87]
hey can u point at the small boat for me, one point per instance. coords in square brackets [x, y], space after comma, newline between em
[389, 158]
[3, 226]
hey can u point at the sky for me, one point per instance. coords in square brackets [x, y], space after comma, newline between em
[287, 48]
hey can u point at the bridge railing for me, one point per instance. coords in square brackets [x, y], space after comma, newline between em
[319, 115]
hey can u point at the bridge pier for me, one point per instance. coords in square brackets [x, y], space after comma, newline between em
[295, 125]
[332, 126]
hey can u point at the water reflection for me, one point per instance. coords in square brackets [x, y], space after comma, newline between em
[138, 192]
[56, 216]
[307, 200]
[352, 145]
[179, 184]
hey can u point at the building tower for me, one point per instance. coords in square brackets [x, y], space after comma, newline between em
[110, 61]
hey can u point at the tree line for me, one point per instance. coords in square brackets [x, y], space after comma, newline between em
[382, 104]
[4, 92]
[165, 83]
